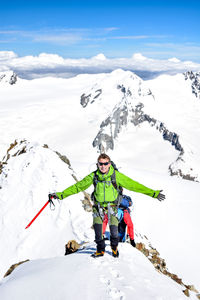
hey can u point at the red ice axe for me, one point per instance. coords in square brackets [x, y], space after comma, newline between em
[39, 212]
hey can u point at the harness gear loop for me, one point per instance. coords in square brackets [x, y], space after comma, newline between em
[109, 213]
[100, 211]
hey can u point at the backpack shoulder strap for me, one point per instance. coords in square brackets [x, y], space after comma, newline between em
[114, 182]
[95, 179]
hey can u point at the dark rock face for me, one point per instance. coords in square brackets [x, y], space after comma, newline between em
[179, 173]
[14, 266]
[71, 247]
[176, 169]
[2, 76]
[7, 77]
[195, 82]
[136, 116]
[90, 98]
[85, 100]
[114, 122]
[172, 137]
[124, 90]
[13, 79]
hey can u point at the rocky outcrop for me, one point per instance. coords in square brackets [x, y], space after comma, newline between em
[179, 173]
[160, 265]
[90, 98]
[169, 136]
[195, 82]
[120, 117]
[181, 169]
[14, 266]
[20, 147]
[12, 151]
[71, 247]
[8, 77]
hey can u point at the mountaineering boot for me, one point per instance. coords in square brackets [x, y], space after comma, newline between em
[115, 252]
[133, 243]
[98, 254]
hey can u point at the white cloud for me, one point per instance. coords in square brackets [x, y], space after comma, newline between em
[7, 55]
[55, 65]
[174, 59]
[138, 56]
[100, 56]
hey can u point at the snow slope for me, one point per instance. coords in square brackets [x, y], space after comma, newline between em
[48, 111]
[33, 171]
[79, 275]
[179, 108]
[26, 180]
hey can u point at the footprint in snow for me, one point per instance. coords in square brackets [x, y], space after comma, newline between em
[112, 292]
[105, 280]
[115, 273]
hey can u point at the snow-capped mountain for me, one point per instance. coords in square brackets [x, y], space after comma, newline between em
[129, 109]
[133, 104]
[110, 108]
[150, 129]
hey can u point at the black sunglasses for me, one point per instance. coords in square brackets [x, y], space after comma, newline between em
[105, 164]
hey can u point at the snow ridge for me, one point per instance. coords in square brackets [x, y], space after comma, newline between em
[130, 275]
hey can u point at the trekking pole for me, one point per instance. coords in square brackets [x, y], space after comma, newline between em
[39, 212]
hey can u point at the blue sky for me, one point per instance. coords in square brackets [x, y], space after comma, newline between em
[82, 29]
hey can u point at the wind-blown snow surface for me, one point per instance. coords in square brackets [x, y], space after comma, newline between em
[48, 111]
[80, 276]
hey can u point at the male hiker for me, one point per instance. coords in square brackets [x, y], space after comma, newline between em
[106, 182]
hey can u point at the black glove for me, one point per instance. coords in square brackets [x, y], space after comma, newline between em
[160, 196]
[53, 195]
[133, 243]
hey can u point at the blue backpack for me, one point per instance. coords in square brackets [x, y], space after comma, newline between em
[125, 202]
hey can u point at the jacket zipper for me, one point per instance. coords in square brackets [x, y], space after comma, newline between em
[104, 192]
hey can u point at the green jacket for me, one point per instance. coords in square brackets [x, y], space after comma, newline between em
[105, 191]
